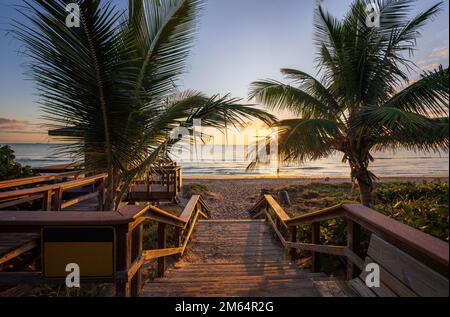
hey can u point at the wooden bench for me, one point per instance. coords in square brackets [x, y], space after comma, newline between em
[400, 274]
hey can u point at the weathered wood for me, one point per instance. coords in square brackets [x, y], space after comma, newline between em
[190, 208]
[315, 239]
[361, 288]
[178, 221]
[78, 200]
[47, 200]
[187, 238]
[279, 212]
[353, 244]
[427, 249]
[418, 277]
[318, 248]
[322, 215]
[26, 219]
[14, 245]
[274, 227]
[16, 202]
[156, 254]
[162, 237]
[293, 232]
[37, 179]
[256, 267]
[123, 262]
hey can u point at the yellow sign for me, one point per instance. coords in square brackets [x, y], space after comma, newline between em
[92, 249]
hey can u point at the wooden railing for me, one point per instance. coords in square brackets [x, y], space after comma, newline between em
[425, 248]
[39, 179]
[61, 168]
[183, 224]
[52, 195]
[128, 225]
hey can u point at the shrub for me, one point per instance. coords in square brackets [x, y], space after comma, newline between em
[9, 169]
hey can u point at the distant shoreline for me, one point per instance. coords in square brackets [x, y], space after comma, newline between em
[416, 177]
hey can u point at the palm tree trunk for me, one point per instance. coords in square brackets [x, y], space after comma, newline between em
[365, 191]
[361, 174]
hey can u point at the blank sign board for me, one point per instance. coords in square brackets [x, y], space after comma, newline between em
[92, 249]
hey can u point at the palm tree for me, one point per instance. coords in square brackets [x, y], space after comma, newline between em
[112, 81]
[364, 99]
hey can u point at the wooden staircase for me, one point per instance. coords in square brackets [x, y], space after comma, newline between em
[231, 258]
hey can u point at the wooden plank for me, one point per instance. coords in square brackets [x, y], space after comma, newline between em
[325, 214]
[383, 290]
[429, 250]
[37, 179]
[274, 227]
[162, 239]
[415, 275]
[19, 219]
[19, 250]
[279, 211]
[353, 244]
[361, 288]
[293, 236]
[79, 200]
[315, 239]
[326, 249]
[82, 182]
[188, 236]
[191, 206]
[152, 210]
[155, 254]
[356, 260]
[20, 201]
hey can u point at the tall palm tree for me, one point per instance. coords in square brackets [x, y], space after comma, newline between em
[112, 81]
[364, 99]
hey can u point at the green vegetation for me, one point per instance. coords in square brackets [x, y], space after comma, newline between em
[195, 189]
[9, 169]
[364, 99]
[424, 206]
[113, 82]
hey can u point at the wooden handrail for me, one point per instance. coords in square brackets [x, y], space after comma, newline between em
[37, 179]
[426, 248]
[184, 227]
[55, 191]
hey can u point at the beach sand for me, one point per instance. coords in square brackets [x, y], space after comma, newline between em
[232, 197]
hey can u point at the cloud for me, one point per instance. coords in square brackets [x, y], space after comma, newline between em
[18, 126]
[440, 52]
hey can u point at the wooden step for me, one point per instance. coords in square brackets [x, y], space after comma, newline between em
[235, 258]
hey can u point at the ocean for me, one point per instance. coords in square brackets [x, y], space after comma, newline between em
[402, 163]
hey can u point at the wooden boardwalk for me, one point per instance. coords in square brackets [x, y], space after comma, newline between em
[235, 258]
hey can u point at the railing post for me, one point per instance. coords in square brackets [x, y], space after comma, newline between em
[137, 240]
[162, 237]
[293, 233]
[47, 201]
[315, 239]
[101, 195]
[58, 199]
[353, 244]
[123, 261]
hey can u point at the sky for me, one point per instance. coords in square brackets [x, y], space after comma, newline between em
[239, 41]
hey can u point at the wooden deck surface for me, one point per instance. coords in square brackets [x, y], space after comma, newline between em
[235, 258]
